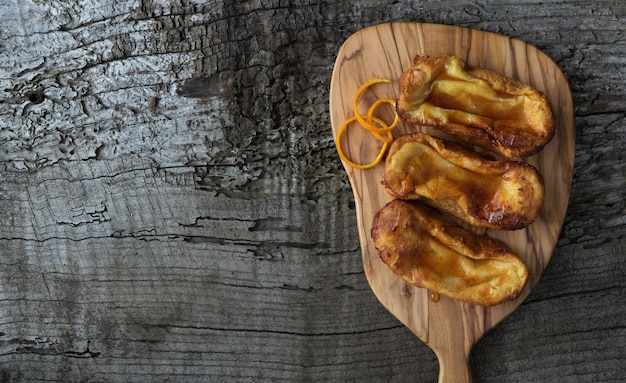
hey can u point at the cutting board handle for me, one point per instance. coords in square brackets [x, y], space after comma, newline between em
[454, 366]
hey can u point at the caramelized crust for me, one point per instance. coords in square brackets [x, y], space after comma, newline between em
[498, 194]
[426, 249]
[480, 107]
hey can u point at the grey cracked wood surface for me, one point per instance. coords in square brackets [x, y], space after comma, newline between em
[172, 207]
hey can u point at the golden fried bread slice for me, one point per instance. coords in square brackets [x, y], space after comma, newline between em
[480, 107]
[426, 249]
[499, 194]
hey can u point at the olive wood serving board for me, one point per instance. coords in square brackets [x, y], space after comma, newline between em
[450, 328]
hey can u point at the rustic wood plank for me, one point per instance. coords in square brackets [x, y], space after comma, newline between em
[172, 206]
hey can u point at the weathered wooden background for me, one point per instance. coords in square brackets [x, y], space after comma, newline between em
[172, 207]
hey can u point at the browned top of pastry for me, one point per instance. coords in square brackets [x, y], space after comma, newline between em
[428, 250]
[500, 194]
[481, 107]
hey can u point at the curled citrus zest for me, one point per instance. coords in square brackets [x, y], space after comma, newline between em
[372, 108]
[342, 129]
[377, 132]
[376, 126]
[367, 124]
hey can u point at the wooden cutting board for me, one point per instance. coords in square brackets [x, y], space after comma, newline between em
[449, 327]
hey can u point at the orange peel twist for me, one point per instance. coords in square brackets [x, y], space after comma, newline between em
[376, 126]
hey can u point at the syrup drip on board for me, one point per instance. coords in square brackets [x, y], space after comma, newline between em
[434, 296]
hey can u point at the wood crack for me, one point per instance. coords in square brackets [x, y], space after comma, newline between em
[283, 332]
